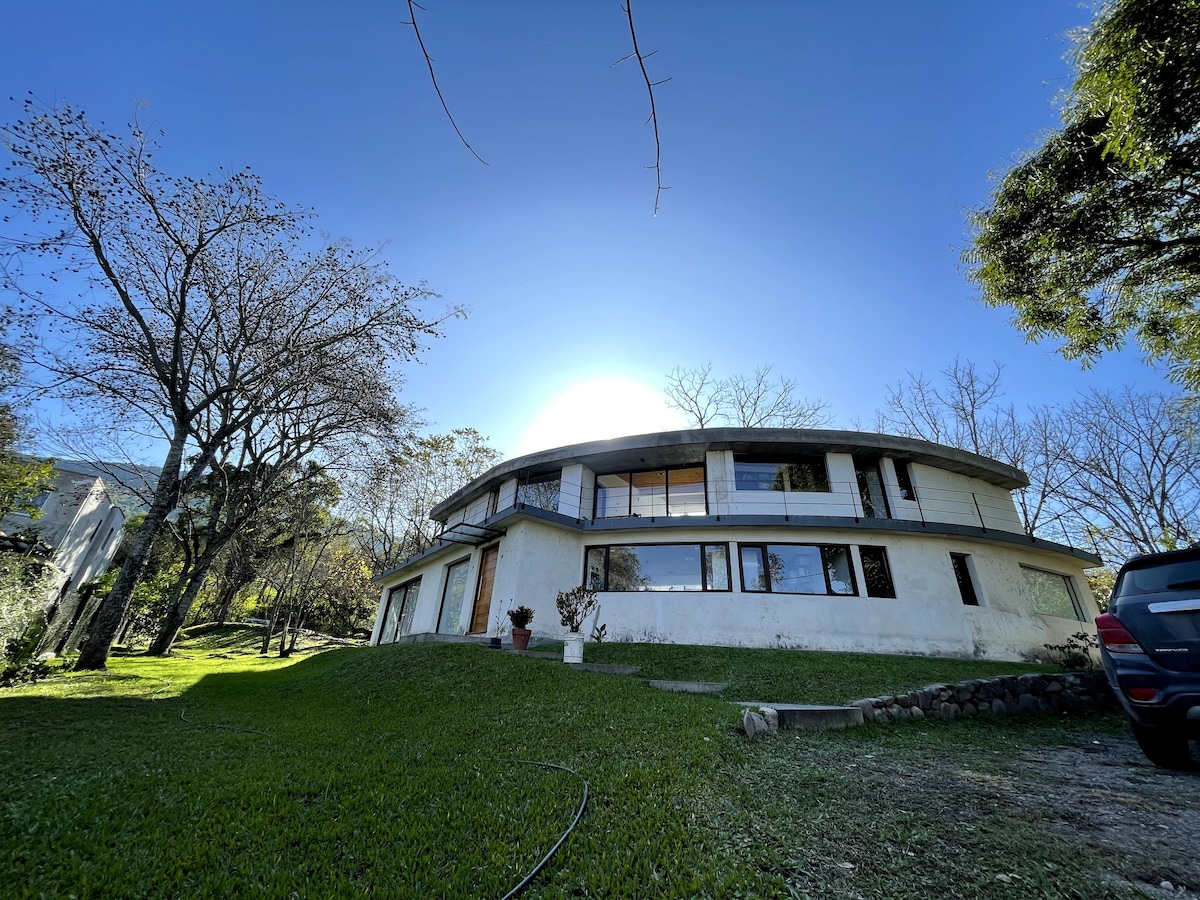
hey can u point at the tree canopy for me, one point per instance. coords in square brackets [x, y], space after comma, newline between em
[1094, 237]
[205, 313]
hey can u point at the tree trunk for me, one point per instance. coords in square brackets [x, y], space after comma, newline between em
[94, 652]
[283, 632]
[59, 626]
[178, 609]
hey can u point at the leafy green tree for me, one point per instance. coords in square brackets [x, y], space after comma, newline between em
[21, 479]
[1095, 236]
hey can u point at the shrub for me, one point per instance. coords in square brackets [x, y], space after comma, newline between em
[26, 587]
[575, 605]
[520, 617]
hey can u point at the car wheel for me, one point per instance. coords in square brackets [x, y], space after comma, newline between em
[1164, 747]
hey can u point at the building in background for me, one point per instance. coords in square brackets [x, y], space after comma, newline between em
[811, 539]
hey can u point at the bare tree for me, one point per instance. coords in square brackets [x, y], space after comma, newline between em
[696, 393]
[201, 309]
[965, 411]
[1131, 466]
[754, 401]
[390, 498]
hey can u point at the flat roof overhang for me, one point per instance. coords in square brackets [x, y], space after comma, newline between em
[681, 448]
[740, 522]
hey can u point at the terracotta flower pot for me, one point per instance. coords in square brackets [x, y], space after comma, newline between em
[520, 638]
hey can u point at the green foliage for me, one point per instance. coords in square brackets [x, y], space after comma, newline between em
[1095, 235]
[1101, 581]
[188, 755]
[26, 673]
[575, 605]
[25, 592]
[1075, 653]
[520, 616]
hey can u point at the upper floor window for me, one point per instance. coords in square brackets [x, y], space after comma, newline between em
[904, 480]
[755, 472]
[661, 492]
[541, 492]
[870, 488]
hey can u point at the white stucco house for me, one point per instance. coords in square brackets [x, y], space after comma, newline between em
[80, 524]
[812, 539]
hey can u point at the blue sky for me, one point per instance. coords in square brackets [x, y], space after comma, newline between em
[821, 157]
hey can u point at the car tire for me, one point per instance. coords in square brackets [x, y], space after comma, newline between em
[1165, 747]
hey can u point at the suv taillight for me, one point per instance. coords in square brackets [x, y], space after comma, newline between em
[1114, 636]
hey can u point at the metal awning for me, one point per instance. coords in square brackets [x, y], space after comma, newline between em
[466, 533]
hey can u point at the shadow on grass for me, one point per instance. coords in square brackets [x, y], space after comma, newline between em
[394, 770]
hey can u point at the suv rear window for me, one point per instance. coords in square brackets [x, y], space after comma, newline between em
[1158, 577]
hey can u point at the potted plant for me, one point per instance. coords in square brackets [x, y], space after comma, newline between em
[520, 617]
[574, 606]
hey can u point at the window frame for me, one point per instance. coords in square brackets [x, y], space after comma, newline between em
[906, 487]
[1072, 592]
[769, 589]
[782, 462]
[967, 578]
[887, 571]
[628, 475]
[705, 587]
[541, 479]
[465, 561]
[406, 587]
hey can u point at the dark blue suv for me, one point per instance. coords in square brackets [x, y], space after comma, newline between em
[1150, 646]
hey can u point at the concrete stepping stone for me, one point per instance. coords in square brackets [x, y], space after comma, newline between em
[690, 687]
[809, 717]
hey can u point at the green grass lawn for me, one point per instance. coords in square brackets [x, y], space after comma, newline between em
[405, 771]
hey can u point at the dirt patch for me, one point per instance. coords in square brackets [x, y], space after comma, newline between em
[1038, 806]
[1119, 800]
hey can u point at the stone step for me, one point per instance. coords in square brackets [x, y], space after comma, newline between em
[690, 687]
[809, 717]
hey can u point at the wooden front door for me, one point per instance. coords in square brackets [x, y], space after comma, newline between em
[483, 593]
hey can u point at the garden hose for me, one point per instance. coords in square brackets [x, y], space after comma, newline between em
[566, 834]
[528, 879]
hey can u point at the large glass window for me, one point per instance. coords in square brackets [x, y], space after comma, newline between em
[1053, 594]
[797, 568]
[870, 488]
[876, 572]
[398, 612]
[660, 492]
[541, 492]
[658, 567]
[453, 595]
[754, 472]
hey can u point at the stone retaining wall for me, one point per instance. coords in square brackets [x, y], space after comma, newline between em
[1067, 692]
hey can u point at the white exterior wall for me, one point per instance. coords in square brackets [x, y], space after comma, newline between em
[571, 492]
[80, 522]
[537, 559]
[949, 497]
[901, 508]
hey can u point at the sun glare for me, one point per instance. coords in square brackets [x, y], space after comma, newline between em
[595, 410]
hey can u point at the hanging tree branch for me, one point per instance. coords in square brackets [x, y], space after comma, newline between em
[650, 85]
[412, 12]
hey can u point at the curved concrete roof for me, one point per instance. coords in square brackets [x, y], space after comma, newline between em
[680, 448]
